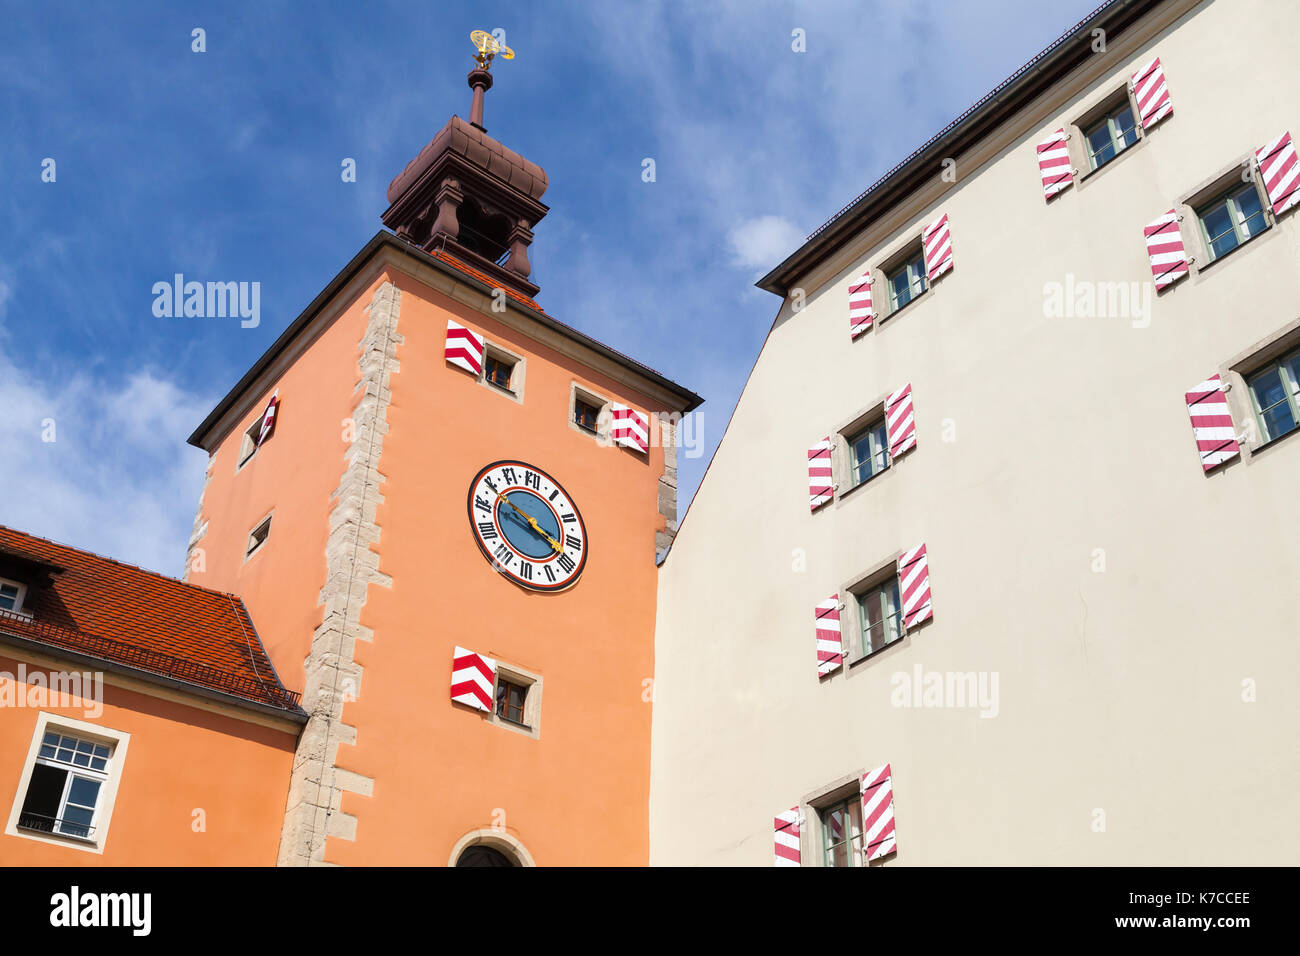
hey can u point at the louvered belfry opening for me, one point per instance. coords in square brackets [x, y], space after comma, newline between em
[467, 195]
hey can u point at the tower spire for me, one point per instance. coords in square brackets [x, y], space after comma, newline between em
[480, 78]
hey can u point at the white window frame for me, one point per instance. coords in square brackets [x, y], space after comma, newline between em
[250, 552]
[532, 683]
[491, 350]
[579, 393]
[116, 741]
[18, 601]
[249, 447]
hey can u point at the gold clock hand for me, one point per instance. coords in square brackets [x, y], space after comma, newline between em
[555, 545]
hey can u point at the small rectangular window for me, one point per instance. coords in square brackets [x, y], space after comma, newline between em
[585, 415]
[906, 282]
[257, 538]
[498, 371]
[11, 595]
[879, 616]
[1275, 397]
[842, 833]
[1111, 135]
[869, 452]
[248, 448]
[510, 701]
[1231, 219]
[64, 790]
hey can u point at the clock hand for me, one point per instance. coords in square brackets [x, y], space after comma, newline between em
[555, 545]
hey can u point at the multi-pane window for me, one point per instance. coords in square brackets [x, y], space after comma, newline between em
[65, 786]
[497, 371]
[869, 451]
[11, 596]
[906, 282]
[1231, 219]
[878, 614]
[585, 415]
[1275, 396]
[842, 833]
[1111, 135]
[510, 701]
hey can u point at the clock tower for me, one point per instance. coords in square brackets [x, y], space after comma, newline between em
[442, 506]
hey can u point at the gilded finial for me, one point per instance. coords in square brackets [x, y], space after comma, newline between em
[488, 47]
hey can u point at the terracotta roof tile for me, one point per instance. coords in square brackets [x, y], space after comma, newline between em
[121, 613]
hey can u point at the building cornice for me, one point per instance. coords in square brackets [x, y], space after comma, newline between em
[386, 249]
[1013, 95]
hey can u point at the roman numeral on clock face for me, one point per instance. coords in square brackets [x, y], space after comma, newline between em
[525, 570]
[503, 555]
[532, 480]
[565, 562]
[488, 530]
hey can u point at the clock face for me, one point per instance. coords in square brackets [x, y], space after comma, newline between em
[527, 526]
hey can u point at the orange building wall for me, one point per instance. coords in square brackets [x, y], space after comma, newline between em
[294, 473]
[179, 758]
[580, 793]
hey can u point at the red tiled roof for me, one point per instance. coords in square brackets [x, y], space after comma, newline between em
[118, 612]
[469, 270]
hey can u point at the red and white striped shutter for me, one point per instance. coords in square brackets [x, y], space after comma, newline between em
[938, 248]
[268, 419]
[914, 586]
[1166, 251]
[1054, 164]
[860, 311]
[787, 837]
[1152, 94]
[830, 646]
[1281, 173]
[821, 486]
[900, 427]
[472, 678]
[464, 348]
[1216, 439]
[878, 813]
[630, 428]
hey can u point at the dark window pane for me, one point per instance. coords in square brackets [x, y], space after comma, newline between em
[1278, 420]
[498, 372]
[76, 821]
[1127, 128]
[1248, 201]
[44, 791]
[1100, 145]
[1218, 221]
[585, 416]
[1268, 387]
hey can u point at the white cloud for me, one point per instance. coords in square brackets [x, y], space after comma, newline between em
[118, 478]
[761, 243]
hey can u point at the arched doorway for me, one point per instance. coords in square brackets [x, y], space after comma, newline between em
[483, 856]
[489, 846]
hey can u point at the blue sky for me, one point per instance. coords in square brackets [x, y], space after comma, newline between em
[224, 165]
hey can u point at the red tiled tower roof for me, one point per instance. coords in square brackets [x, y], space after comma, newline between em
[123, 614]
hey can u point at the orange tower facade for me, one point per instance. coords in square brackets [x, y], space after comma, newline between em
[442, 507]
